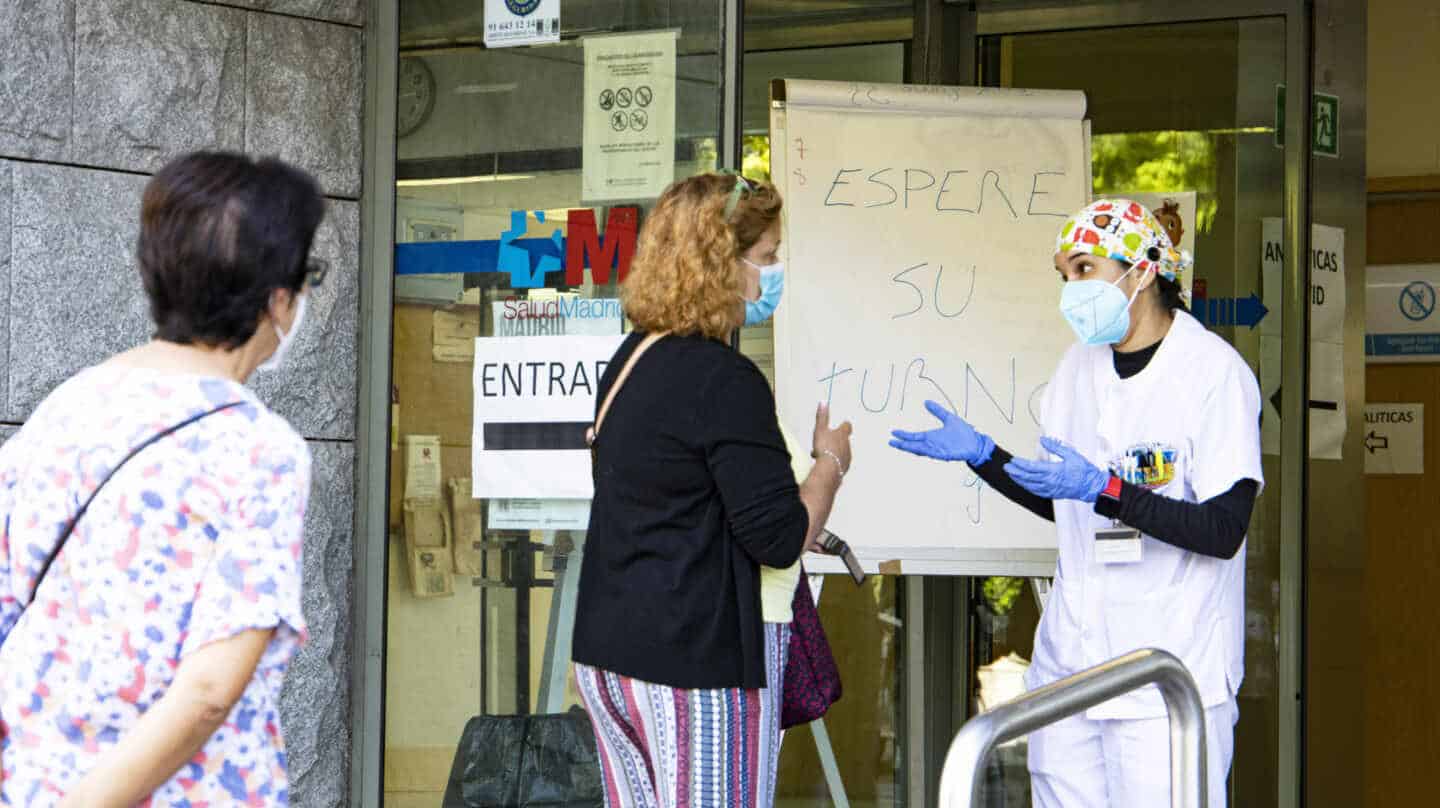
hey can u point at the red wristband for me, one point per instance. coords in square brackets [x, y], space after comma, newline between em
[1112, 488]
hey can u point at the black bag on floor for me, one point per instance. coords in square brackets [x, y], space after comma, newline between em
[526, 761]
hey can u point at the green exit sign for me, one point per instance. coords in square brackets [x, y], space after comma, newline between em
[1324, 112]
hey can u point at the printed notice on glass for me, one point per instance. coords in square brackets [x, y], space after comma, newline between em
[1327, 345]
[629, 116]
[521, 22]
[539, 514]
[422, 467]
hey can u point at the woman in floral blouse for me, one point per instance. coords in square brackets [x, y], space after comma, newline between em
[145, 664]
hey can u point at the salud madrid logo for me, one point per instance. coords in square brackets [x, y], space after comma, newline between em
[522, 8]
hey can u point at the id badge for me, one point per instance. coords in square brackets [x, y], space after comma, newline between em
[1118, 545]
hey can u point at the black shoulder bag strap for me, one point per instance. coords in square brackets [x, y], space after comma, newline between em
[70, 524]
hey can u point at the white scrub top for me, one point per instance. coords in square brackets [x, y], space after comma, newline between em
[1196, 407]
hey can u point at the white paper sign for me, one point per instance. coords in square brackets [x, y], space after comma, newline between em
[422, 466]
[1327, 342]
[1327, 284]
[1327, 280]
[560, 316]
[453, 333]
[1400, 320]
[1394, 438]
[521, 22]
[534, 398]
[629, 128]
[1327, 398]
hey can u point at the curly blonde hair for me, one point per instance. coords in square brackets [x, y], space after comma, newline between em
[685, 278]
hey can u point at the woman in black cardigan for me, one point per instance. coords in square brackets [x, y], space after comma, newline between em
[693, 492]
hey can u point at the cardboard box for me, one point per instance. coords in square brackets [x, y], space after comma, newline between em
[468, 525]
[426, 538]
[427, 525]
[430, 575]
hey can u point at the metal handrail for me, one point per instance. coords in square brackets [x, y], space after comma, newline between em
[959, 779]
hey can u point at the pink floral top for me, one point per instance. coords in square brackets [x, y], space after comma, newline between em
[194, 540]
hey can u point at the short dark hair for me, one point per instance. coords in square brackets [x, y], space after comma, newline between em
[219, 232]
[1171, 296]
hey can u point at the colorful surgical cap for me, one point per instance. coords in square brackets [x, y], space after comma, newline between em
[1125, 231]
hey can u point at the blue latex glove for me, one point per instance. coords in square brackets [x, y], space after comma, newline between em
[1073, 477]
[953, 440]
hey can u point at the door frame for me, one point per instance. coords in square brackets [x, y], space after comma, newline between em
[372, 438]
[1059, 15]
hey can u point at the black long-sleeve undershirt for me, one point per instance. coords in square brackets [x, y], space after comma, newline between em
[992, 471]
[1215, 527]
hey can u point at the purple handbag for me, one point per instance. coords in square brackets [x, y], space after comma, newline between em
[812, 682]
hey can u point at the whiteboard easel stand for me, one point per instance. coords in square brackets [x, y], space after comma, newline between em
[1040, 587]
[1027, 151]
[561, 628]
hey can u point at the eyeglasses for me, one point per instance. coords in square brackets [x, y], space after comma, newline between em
[742, 186]
[315, 273]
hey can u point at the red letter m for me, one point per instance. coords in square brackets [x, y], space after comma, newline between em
[583, 240]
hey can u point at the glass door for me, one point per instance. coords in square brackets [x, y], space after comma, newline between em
[865, 732]
[1200, 147]
[501, 231]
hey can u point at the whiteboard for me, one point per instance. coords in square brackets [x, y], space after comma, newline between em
[920, 226]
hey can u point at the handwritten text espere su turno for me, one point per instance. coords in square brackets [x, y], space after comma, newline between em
[951, 191]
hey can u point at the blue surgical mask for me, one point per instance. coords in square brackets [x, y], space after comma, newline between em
[772, 284]
[1098, 311]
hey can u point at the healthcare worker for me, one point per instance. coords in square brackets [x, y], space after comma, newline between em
[1150, 469]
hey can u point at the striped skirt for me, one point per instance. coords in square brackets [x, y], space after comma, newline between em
[664, 747]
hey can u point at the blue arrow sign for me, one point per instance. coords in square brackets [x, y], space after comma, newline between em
[1230, 311]
[447, 257]
[525, 259]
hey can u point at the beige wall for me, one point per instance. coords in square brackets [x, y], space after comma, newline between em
[1404, 71]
